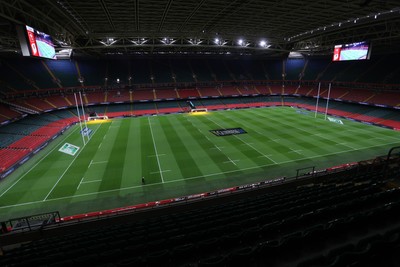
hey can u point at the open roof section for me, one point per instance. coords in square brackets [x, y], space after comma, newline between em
[271, 28]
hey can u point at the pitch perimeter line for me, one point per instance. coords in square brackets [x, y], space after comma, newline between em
[189, 178]
[155, 149]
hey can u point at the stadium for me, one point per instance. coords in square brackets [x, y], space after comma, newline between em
[200, 133]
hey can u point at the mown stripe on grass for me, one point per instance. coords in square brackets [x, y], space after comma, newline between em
[236, 150]
[211, 159]
[180, 147]
[133, 172]
[148, 153]
[112, 175]
[292, 138]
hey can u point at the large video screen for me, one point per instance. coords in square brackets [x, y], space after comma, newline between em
[35, 43]
[353, 51]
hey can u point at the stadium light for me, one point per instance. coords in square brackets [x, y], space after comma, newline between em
[242, 42]
[195, 41]
[168, 41]
[219, 41]
[263, 43]
[108, 41]
[139, 41]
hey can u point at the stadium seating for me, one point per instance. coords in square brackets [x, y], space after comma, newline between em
[209, 91]
[248, 90]
[58, 101]
[345, 218]
[188, 93]
[229, 90]
[95, 97]
[117, 96]
[7, 114]
[166, 94]
[147, 94]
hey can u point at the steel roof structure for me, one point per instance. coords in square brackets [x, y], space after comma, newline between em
[246, 27]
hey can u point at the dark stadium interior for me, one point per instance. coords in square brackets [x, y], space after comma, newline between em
[137, 58]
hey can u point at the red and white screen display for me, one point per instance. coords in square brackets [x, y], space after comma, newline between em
[336, 53]
[32, 41]
[353, 51]
[40, 44]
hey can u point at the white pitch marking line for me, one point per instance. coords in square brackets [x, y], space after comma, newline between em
[345, 144]
[155, 149]
[90, 164]
[246, 144]
[296, 151]
[208, 138]
[93, 181]
[217, 147]
[265, 156]
[231, 161]
[79, 183]
[99, 145]
[342, 144]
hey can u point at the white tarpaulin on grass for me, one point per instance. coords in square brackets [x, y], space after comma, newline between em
[69, 149]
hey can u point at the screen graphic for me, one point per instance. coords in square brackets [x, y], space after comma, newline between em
[353, 51]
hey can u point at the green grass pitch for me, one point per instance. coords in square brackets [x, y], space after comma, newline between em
[178, 155]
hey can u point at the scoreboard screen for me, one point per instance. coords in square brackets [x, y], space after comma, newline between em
[353, 51]
[35, 43]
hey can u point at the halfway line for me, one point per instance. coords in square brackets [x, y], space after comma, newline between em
[155, 149]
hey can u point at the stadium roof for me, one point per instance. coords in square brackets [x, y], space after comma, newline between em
[261, 27]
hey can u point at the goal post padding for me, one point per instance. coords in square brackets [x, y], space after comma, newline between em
[91, 118]
[194, 110]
